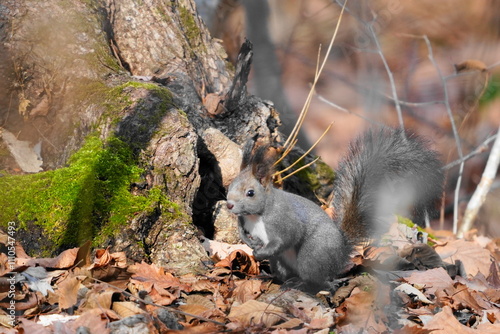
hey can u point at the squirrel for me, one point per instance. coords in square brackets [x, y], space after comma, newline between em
[385, 172]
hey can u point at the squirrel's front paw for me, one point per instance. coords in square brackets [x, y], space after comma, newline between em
[255, 244]
[258, 255]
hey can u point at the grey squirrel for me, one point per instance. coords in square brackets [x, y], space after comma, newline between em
[384, 172]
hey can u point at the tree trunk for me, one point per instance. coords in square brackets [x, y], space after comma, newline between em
[120, 96]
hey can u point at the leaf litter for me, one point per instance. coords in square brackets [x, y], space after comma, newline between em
[451, 287]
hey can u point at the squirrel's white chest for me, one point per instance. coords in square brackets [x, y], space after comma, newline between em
[256, 228]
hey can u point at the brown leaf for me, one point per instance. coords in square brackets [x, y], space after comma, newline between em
[378, 253]
[30, 301]
[102, 258]
[460, 296]
[364, 282]
[197, 305]
[473, 257]
[330, 212]
[162, 286]
[32, 327]
[432, 279]
[99, 297]
[119, 259]
[83, 255]
[247, 290]
[291, 324]
[470, 65]
[411, 330]
[106, 273]
[108, 266]
[493, 316]
[197, 327]
[214, 104]
[444, 323]
[360, 311]
[220, 250]
[95, 320]
[239, 260]
[485, 328]
[68, 292]
[200, 300]
[6, 321]
[42, 108]
[126, 309]
[200, 284]
[158, 276]
[64, 260]
[254, 312]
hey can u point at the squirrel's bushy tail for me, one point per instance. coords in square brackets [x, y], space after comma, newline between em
[385, 172]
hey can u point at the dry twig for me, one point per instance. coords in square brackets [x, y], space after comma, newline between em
[479, 196]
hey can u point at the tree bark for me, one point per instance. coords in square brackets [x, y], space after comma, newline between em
[147, 80]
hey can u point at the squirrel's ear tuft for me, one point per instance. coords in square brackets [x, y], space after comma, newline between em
[260, 159]
[247, 153]
[262, 164]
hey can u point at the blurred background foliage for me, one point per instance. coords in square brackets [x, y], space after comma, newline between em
[355, 92]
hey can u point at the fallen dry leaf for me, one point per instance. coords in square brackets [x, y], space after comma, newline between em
[473, 257]
[102, 257]
[42, 108]
[247, 290]
[5, 321]
[214, 104]
[32, 327]
[200, 306]
[254, 312]
[444, 323]
[410, 290]
[290, 324]
[470, 65]
[100, 296]
[161, 286]
[68, 291]
[64, 260]
[126, 309]
[362, 310]
[200, 300]
[94, 320]
[221, 250]
[83, 255]
[459, 297]
[106, 273]
[432, 279]
[241, 261]
[152, 274]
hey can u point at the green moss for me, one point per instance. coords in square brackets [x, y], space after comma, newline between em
[163, 13]
[408, 222]
[116, 100]
[492, 91]
[88, 200]
[191, 29]
[321, 172]
[316, 175]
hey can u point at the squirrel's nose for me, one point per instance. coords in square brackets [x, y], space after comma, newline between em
[230, 205]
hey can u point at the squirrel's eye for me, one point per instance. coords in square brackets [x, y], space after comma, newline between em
[250, 193]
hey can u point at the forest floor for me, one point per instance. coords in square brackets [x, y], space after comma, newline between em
[452, 287]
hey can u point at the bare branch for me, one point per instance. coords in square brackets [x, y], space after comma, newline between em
[483, 188]
[389, 74]
[480, 149]
[317, 75]
[446, 102]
